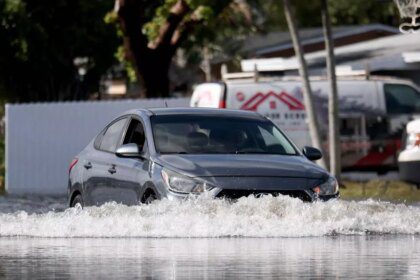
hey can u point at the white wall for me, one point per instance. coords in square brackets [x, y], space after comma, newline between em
[42, 139]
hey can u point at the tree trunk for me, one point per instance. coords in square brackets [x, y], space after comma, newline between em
[152, 60]
[303, 71]
[152, 71]
[333, 110]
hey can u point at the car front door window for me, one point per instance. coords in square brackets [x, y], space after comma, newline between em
[135, 134]
[132, 173]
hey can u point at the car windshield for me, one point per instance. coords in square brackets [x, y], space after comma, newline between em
[191, 134]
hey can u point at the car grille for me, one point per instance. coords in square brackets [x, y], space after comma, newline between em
[235, 194]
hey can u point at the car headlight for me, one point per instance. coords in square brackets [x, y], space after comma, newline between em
[329, 187]
[183, 184]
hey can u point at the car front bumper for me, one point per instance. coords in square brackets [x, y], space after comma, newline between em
[304, 195]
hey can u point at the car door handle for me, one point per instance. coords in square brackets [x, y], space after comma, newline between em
[88, 165]
[112, 170]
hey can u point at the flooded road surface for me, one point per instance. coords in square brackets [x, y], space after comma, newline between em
[213, 239]
[382, 257]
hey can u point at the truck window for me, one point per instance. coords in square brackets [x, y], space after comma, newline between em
[401, 99]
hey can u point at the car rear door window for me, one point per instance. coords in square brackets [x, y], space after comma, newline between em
[112, 136]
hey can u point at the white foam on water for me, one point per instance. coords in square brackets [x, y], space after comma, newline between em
[248, 217]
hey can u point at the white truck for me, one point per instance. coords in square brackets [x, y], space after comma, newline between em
[409, 158]
[373, 112]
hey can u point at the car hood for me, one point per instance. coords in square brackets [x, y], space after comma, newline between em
[242, 166]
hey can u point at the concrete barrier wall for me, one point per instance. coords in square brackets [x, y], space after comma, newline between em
[43, 138]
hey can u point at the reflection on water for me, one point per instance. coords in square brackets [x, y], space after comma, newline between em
[32, 204]
[211, 258]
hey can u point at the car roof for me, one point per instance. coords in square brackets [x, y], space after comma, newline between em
[204, 112]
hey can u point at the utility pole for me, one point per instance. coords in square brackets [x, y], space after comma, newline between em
[303, 71]
[333, 109]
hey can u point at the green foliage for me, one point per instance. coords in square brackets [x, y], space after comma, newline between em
[128, 65]
[343, 12]
[387, 190]
[225, 23]
[308, 14]
[40, 39]
[362, 12]
[206, 11]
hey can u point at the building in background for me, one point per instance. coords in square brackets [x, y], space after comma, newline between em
[397, 55]
[279, 44]
[374, 49]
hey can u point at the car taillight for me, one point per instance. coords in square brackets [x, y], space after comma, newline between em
[413, 140]
[72, 164]
[222, 104]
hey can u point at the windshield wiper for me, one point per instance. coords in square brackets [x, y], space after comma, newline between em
[261, 153]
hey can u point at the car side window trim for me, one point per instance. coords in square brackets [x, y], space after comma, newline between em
[98, 139]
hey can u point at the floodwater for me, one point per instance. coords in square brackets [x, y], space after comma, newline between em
[212, 239]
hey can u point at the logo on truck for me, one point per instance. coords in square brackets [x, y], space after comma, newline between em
[260, 98]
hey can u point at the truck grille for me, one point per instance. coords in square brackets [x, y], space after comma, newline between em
[235, 194]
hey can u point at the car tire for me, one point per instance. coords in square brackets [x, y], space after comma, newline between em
[148, 197]
[77, 201]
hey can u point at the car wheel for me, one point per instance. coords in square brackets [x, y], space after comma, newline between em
[149, 197]
[77, 201]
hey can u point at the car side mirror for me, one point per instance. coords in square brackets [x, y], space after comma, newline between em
[311, 153]
[130, 150]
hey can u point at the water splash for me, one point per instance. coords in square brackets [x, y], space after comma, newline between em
[248, 217]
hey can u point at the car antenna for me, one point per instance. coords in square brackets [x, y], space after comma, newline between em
[166, 104]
